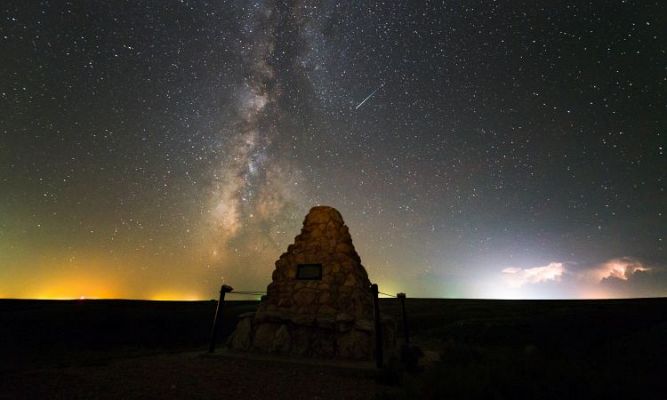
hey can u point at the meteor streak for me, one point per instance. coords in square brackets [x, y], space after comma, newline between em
[368, 97]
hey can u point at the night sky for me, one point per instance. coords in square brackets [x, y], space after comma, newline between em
[154, 149]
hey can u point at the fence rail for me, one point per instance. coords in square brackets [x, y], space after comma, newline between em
[249, 292]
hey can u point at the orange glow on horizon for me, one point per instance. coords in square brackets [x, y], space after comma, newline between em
[73, 289]
[65, 293]
[595, 294]
[175, 296]
[90, 277]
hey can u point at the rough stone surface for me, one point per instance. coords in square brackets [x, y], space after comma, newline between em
[327, 318]
[281, 340]
[353, 343]
[263, 337]
[241, 340]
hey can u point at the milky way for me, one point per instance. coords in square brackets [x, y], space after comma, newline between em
[474, 149]
[256, 188]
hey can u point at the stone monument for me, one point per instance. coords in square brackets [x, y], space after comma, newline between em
[319, 302]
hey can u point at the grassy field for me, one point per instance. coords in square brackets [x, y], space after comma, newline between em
[541, 349]
[36, 333]
[489, 349]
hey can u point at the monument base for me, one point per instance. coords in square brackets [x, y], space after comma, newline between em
[316, 336]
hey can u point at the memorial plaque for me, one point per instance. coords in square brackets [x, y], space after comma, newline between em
[310, 272]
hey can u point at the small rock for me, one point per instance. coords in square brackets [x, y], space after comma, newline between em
[242, 336]
[281, 341]
[264, 335]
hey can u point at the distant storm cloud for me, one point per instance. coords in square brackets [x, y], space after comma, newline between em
[518, 277]
[616, 277]
[618, 268]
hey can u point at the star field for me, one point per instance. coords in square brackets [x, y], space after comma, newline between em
[157, 149]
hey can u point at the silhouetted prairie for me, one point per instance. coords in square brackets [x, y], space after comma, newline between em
[489, 348]
[35, 333]
[613, 349]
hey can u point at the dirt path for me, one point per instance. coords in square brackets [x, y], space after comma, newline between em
[187, 376]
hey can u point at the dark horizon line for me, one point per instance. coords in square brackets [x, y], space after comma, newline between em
[381, 298]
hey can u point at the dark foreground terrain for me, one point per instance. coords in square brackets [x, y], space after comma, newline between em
[488, 350]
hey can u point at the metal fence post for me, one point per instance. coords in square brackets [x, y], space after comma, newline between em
[378, 326]
[217, 320]
[406, 330]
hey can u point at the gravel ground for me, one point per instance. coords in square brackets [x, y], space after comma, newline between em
[188, 376]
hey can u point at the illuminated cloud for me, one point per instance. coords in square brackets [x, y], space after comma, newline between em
[617, 277]
[627, 277]
[518, 277]
[618, 268]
